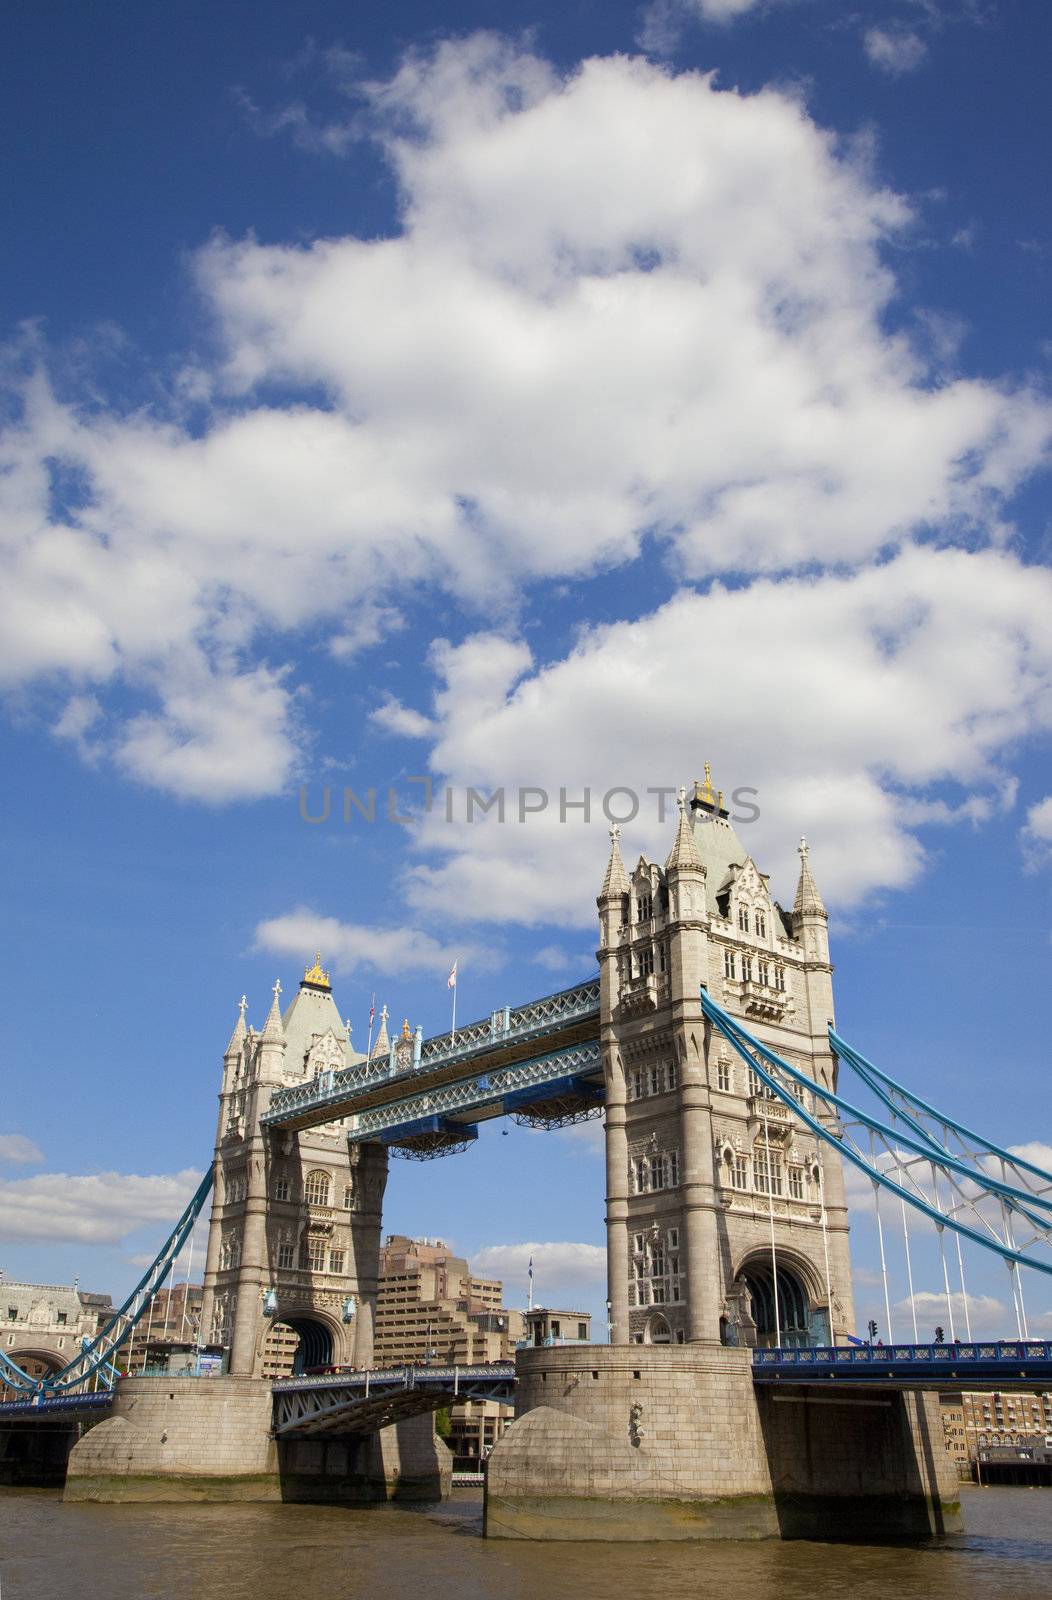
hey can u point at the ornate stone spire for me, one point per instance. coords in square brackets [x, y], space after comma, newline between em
[684, 852]
[274, 1028]
[240, 1033]
[382, 1046]
[616, 880]
[808, 902]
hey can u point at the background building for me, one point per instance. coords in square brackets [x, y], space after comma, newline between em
[42, 1324]
[974, 1422]
[174, 1316]
[431, 1308]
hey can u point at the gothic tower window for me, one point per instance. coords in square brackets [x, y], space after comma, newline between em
[644, 907]
[348, 1196]
[723, 1076]
[743, 918]
[286, 1255]
[761, 924]
[282, 1189]
[646, 961]
[767, 1169]
[317, 1188]
[729, 964]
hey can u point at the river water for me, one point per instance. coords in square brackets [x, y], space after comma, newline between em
[51, 1551]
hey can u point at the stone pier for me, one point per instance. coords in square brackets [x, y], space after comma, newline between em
[637, 1442]
[209, 1439]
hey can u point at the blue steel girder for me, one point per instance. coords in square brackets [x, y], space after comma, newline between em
[49, 1408]
[1024, 1364]
[485, 1094]
[364, 1402]
[509, 1036]
[897, 1161]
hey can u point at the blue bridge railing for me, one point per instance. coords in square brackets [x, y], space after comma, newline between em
[980, 1361]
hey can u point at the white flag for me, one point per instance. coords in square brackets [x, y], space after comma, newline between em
[451, 981]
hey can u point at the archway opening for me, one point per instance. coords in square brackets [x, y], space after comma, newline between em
[789, 1320]
[658, 1330]
[295, 1345]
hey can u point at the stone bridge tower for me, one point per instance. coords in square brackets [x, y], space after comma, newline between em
[726, 1218]
[294, 1235]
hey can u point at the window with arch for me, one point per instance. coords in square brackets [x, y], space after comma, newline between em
[723, 1076]
[743, 918]
[282, 1188]
[730, 966]
[348, 1196]
[644, 907]
[761, 924]
[317, 1188]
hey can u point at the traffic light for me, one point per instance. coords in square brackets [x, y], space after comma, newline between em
[872, 1330]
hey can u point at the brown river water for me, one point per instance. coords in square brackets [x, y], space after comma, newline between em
[50, 1551]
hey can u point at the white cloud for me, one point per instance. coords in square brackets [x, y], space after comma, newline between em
[839, 699]
[350, 946]
[894, 50]
[1036, 1152]
[595, 278]
[18, 1150]
[989, 1316]
[1037, 833]
[555, 958]
[59, 1208]
[560, 1271]
[219, 736]
[394, 717]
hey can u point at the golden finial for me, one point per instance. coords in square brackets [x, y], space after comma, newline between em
[315, 975]
[405, 1029]
[704, 793]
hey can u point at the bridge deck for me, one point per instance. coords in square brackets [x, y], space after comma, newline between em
[461, 1081]
[362, 1402]
[997, 1364]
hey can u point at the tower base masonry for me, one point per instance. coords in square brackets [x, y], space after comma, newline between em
[193, 1439]
[637, 1442]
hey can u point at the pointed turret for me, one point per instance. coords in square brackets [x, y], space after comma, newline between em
[382, 1046]
[808, 902]
[616, 880]
[684, 852]
[240, 1033]
[273, 1028]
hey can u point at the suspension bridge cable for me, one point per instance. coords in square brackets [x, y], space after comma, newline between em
[744, 1043]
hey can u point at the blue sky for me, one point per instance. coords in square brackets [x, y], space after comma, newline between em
[553, 396]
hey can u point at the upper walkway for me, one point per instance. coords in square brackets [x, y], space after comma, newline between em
[515, 1057]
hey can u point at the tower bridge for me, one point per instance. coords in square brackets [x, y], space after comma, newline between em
[733, 1384]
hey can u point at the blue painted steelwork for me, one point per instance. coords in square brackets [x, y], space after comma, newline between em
[43, 1407]
[903, 1103]
[898, 1148]
[349, 1402]
[998, 1364]
[95, 1356]
[484, 1093]
[504, 1028]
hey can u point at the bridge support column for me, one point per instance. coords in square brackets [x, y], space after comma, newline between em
[677, 1442]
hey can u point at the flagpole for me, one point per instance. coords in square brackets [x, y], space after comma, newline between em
[453, 1026]
[369, 1046]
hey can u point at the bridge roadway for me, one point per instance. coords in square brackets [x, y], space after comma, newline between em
[362, 1402]
[540, 1061]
